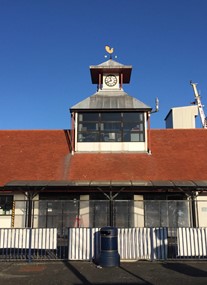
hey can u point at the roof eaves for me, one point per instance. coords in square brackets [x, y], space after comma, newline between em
[114, 183]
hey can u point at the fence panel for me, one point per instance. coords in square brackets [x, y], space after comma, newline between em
[133, 243]
[83, 243]
[159, 237]
[27, 243]
[14, 238]
[142, 243]
[192, 242]
[26, 238]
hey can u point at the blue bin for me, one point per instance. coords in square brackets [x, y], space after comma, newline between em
[109, 256]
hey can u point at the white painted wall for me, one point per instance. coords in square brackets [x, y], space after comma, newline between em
[20, 210]
[84, 211]
[202, 211]
[182, 117]
[108, 147]
[105, 87]
[138, 211]
[5, 221]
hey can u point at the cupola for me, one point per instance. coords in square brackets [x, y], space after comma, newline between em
[110, 120]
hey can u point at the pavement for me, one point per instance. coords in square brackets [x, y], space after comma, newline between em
[79, 272]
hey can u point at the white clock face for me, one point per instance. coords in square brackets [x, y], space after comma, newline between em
[110, 80]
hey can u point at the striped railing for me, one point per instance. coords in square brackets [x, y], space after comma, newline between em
[29, 238]
[28, 243]
[142, 243]
[192, 242]
[84, 243]
[133, 243]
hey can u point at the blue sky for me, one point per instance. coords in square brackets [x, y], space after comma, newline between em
[47, 46]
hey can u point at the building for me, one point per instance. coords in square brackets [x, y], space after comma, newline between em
[110, 168]
[182, 117]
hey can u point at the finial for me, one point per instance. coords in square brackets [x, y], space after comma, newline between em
[109, 50]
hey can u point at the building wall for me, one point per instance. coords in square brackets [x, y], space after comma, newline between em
[182, 117]
[202, 211]
[84, 211]
[138, 211]
[20, 210]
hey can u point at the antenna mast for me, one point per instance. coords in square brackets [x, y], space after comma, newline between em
[199, 104]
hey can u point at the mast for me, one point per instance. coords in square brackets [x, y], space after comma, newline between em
[199, 104]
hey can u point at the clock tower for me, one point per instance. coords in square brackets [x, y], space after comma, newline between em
[110, 120]
[110, 75]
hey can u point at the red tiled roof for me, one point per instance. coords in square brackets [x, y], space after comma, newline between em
[33, 155]
[177, 154]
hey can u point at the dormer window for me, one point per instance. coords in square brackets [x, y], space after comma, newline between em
[111, 127]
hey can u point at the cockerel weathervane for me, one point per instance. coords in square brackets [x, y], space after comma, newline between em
[109, 50]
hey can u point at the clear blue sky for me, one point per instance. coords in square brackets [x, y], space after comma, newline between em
[47, 46]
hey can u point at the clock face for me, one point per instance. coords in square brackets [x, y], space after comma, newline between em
[110, 80]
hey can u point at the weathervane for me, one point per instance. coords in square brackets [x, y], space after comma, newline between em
[110, 50]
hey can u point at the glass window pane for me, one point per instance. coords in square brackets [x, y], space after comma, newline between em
[141, 137]
[116, 127]
[128, 126]
[140, 116]
[89, 117]
[111, 137]
[6, 203]
[126, 137]
[110, 116]
[183, 213]
[152, 214]
[123, 214]
[133, 137]
[130, 117]
[110, 126]
[133, 116]
[88, 126]
[99, 211]
[88, 137]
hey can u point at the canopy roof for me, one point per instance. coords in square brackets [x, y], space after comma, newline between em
[139, 184]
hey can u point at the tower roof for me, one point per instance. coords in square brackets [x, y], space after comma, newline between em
[111, 100]
[108, 67]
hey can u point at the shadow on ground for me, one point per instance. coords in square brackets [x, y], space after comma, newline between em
[190, 270]
[106, 276]
[140, 278]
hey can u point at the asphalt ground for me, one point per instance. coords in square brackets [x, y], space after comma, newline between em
[77, 273]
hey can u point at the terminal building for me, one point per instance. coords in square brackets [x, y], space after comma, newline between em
[109, 167]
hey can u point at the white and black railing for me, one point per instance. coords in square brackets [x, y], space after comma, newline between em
[38, 244]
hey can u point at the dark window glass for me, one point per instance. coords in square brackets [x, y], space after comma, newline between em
[6, 203]
[111, 127]
[130, 117]
[110, 137]
[88, 137]
[87, 117]
[84, 127]
[111, 116]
